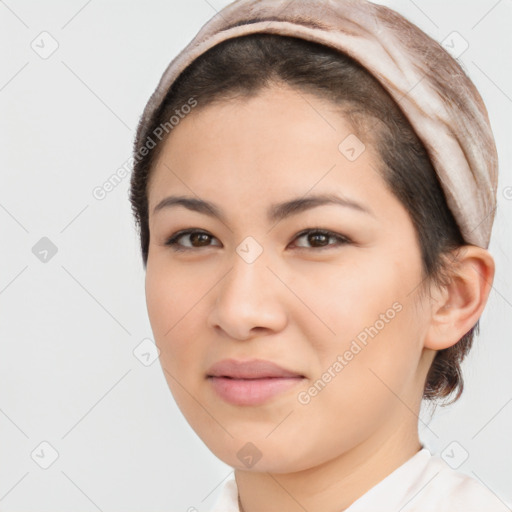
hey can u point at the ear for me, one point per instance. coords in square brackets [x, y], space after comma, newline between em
[456, 307]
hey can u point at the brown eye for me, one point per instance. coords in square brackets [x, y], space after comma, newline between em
[199, 239]
[196, 239]
[319, 238]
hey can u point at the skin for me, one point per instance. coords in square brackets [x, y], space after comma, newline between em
[301, 303]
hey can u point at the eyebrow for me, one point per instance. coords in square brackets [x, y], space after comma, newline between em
[275, 213]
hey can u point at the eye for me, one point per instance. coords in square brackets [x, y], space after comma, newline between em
[196, 239]
[319, 238]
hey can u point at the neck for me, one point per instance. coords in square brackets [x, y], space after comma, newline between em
[334, 485]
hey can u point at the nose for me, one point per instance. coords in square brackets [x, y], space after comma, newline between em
[249, 300]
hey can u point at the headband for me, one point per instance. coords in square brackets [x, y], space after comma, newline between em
[450, 119]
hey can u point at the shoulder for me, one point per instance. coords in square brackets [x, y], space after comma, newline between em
[426, 483]
[451, 490]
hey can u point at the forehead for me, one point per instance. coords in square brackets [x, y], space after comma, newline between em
[281, 141]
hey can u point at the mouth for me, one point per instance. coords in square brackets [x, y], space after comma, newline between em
[250, 382]
[251, 391]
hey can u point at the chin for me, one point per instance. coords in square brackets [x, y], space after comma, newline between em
[265, 455]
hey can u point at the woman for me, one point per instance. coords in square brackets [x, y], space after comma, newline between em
[315, 186]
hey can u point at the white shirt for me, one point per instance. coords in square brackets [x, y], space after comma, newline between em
[424, 483]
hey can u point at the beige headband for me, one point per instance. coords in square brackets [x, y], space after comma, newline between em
[453, 126]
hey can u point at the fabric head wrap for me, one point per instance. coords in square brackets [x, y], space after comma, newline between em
[440, 102]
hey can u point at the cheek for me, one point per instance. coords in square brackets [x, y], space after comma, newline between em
[369, 319]
[173, 303]
[360, 384]
[171, 294]
[162, 301]
[343, 300]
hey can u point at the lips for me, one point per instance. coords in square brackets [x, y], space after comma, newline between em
[250, 383]
[252, 369]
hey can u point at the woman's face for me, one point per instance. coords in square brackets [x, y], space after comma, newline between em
[340, 311]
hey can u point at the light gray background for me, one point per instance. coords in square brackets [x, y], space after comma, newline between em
[69, 326]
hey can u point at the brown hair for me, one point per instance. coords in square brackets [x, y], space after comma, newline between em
[242, 66]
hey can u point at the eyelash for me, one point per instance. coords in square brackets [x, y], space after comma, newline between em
[173, 240]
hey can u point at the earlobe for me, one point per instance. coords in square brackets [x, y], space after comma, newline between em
[456, 308]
